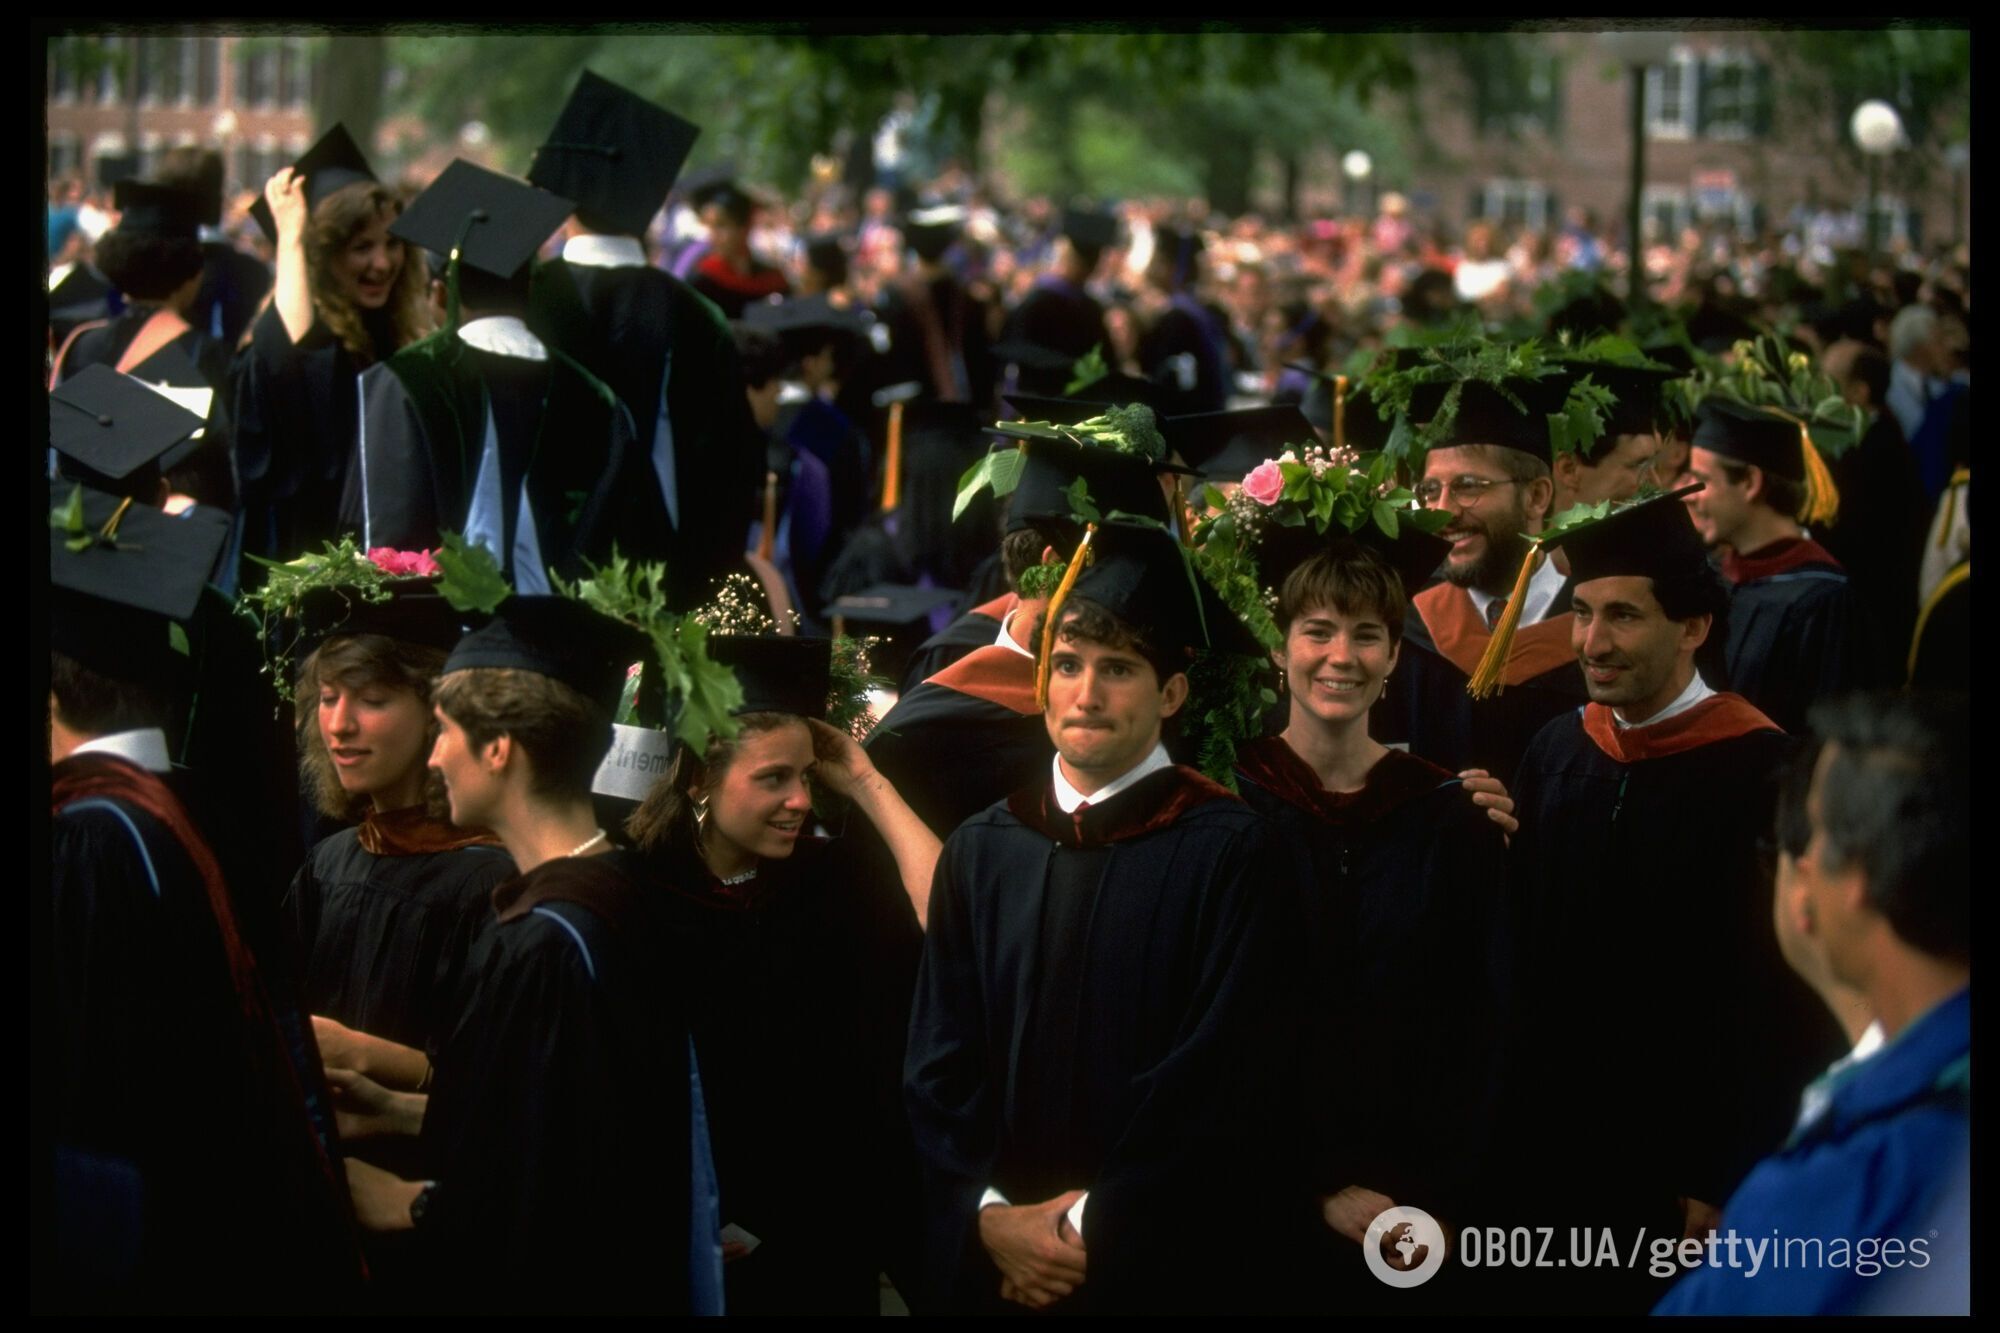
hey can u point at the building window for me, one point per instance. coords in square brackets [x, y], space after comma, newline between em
[294, 73]
[1517, 204]
[62, 70]
[1731, 84]
[257, 75]
[65, 156]
[1671, 90]
[1668, 211]
[1530, 105]
[115, 52]
[208, 70]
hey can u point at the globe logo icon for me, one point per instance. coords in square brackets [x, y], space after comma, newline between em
[1404, 1247]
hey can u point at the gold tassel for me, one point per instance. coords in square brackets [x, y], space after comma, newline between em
[1485, 682]
[110, 530]
[1056, 601]
[1958, 479]
[1340, 411]
[1183, 511]
[892, 465]
[1822, 502]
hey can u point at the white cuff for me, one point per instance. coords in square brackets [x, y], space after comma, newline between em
[1076, 1215]
[991, 1197]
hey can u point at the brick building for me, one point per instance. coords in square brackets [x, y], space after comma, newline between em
[1717, 149]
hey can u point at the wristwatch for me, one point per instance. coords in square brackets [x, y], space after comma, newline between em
[422, 1202]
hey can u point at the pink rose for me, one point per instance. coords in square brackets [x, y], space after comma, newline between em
[404, 563]
[1265, 483]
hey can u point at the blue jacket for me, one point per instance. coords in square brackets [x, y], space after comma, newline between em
[1871, 1169]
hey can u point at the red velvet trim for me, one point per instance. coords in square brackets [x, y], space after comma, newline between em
[413, 832]
[1398, 777]
[1780, 557]
[1721, 718]
[1461, 636]
[1154, 802]
[997, 675]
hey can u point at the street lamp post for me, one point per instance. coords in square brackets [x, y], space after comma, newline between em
[1357, 166]
[1637, 50]
[1877, 131]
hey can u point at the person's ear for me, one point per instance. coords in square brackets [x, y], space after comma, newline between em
[1173, 694]
[1694, 631]
[1539, 495]
[1753, 482]
[1567, 469]
[1395, 655]
[497, 753]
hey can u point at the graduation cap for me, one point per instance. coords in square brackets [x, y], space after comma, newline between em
[1715, 330]
[802, 315]
[930, 231]
[1116, 481]
[779, 673]
[826, 252]
[1486, 416]
[1114, 390]
[151, 209]
[492, 222]
[1776, 441]
[1142, 574]
[1652, 538]
[81, 295]
[334, 163]
[115, 167]
[560, 638]
[415, 613]
[1413, 553]
[615, 153]
[1637, 389]
[1031, 355]
[1090, 230]
[139, 569]
[116, 434]
[702, 186]
[891, 606]
[1224, 446]
[1342, 409]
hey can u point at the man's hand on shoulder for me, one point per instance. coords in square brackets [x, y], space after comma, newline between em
[1040, 1258]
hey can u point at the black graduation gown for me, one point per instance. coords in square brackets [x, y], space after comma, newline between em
[187, 1176]
[1663, 1041]
[1103, 1005]
[192, 360]
[1879, 540]
[1062, 317]
[1941, 652]
[950, 753]
[558, 430]
[1403, 895]
[233, 285]
[799, 995]
[634, 328]
[977, 628]
[295, 417]
[1793, 639]
[1425, 705]
[559, 1122]
[383, 939]
[1180, 351]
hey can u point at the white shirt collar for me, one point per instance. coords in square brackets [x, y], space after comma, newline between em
[146, 747]
[1069, 798]
[1542, 590]
[1006, 640]
[1697, 690]
[604, 252]
[503, 335]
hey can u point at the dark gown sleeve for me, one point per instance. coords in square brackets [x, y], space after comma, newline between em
[294, 419]
[396, 504]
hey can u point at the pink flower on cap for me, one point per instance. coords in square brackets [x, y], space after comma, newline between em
[1265, 483]
[406, 563]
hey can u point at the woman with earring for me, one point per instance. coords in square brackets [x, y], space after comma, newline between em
[1402, 874]
[799, 954]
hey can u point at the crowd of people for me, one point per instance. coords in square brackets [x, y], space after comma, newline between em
[623, 744]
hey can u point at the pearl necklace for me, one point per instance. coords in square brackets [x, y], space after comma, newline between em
[586, 844]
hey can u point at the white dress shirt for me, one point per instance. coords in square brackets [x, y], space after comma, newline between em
[1069, 798]
[146, 747]
[1542, 590]
[1697, 690]
[604, 252]
[1006, 640]
[503, 335]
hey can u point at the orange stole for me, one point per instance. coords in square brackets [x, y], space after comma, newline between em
[997, 675]
[999, 607]
[1723, 717]
[1461, 636]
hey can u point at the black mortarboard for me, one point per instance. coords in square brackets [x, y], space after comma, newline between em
[559, 638]
[779, 673]
[826, 252]
[205, 183]
[1031, 355]
[1413, 553]
[1143, 575]
[114, 599]
[502, 221]
[415, 613]
[1751, 435]
[930, 231]
[614, 153]
[1653, 538]
[334, 163]
[83, 294]
[1361, 427]
[115, 167]
[1114, 390]
[698, 187]
[1486, 416]
[1638, 409]
[1715, 330]
[889, 605]
[146, 208]
[1224, 446]
[810, 315]
[115, 434]
[1060, 411]
[1116, 482]
[1089, 229]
